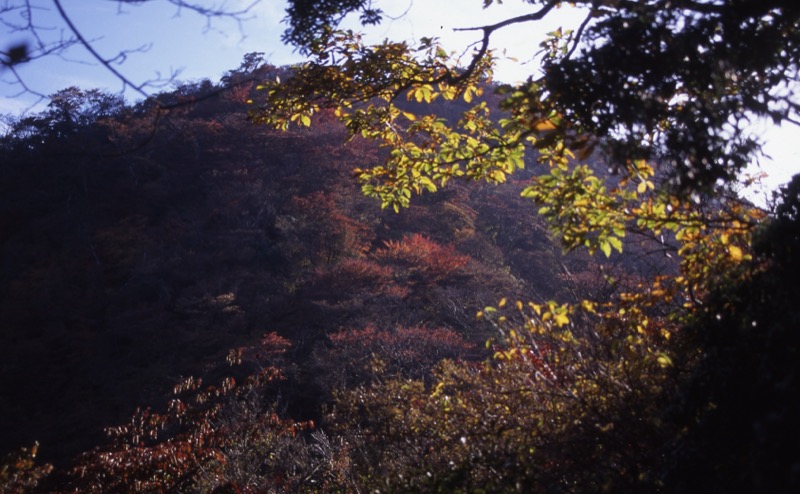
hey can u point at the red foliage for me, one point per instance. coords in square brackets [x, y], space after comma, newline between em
[19, 472]
[189, 447]
[324, 231]
[352, 278]
[422, 260]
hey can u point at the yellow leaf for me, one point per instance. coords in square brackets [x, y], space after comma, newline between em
[735, 252]
[561, 319]
[544, 125]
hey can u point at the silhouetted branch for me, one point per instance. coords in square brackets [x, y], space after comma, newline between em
[23, 18]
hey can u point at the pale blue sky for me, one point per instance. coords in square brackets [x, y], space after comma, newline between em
[176, 40]
[184, 41]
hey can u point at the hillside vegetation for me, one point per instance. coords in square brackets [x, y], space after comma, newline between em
[192, 302]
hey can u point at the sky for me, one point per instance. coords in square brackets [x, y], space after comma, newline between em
[186, 41]
[172, 41]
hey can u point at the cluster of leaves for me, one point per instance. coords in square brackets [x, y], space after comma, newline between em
[556, 406]
[19, 471]
[421, 260]
[361, 84]
[375, 354]
[195, 441]
[225, 437]
[747, 380]
[678, 83]
[669, 82]
[309, 19]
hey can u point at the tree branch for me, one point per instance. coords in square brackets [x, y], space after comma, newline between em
[534, 16]
[103, 61]
[488, 30]
[579, 34]
[21, 17]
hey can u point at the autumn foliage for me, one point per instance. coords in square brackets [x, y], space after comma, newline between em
[420, 260]
[464, 345]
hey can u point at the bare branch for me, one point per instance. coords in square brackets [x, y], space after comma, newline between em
[488, 30]
[56, 38]
[534, 16]
[579, 34]
[105, 62]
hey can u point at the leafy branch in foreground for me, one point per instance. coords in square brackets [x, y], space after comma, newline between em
[674, 83]
[362, 84]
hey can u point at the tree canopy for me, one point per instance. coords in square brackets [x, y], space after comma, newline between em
[678, 82]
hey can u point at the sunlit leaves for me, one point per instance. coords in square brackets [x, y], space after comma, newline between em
[559, 373]
[422, 261]
[423, 93]
[362, 84]
[428, 152]
[580, 209]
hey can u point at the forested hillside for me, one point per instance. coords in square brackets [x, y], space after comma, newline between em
[140, 245]
[195, 303]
